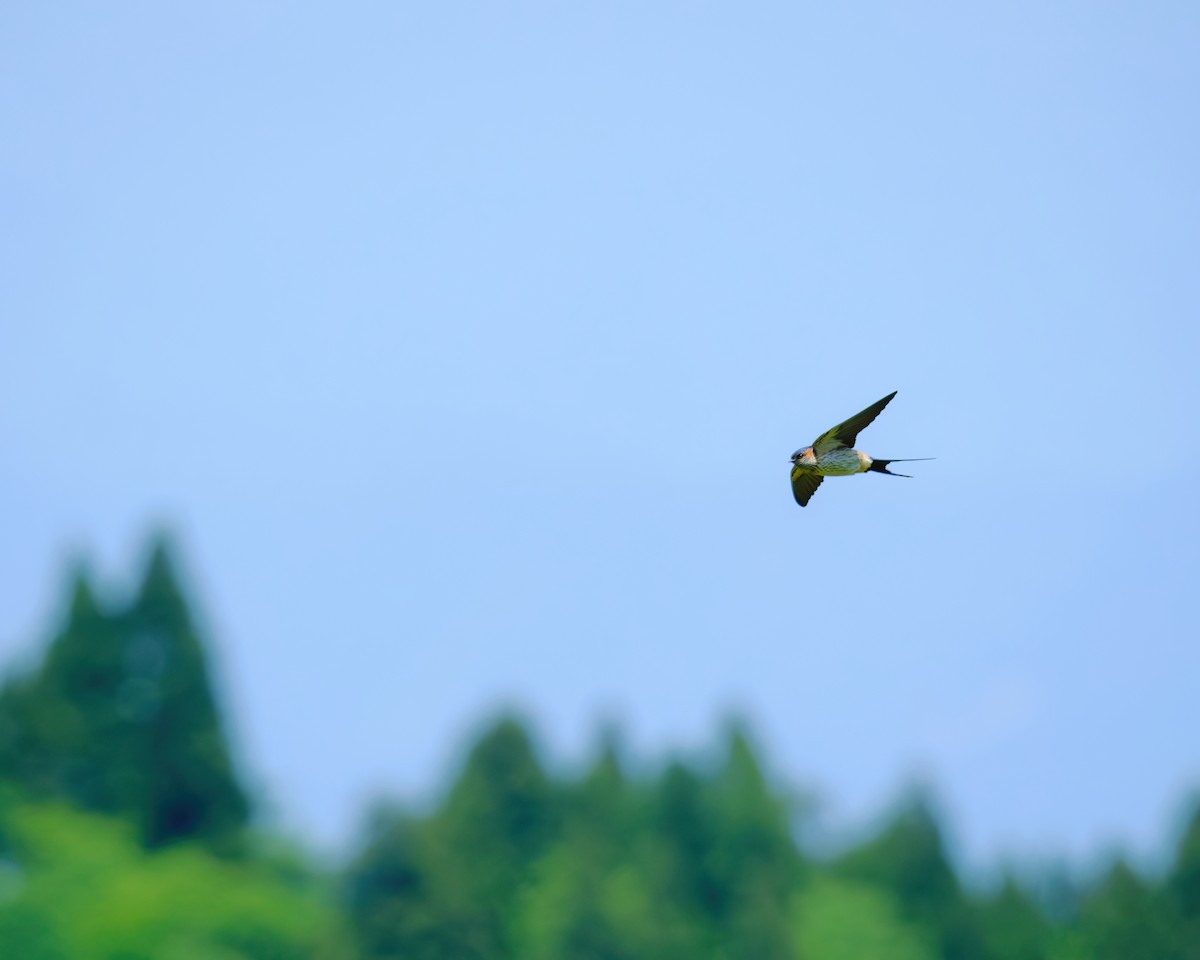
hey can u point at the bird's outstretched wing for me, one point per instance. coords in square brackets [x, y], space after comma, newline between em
[846, 432]
[804, 485]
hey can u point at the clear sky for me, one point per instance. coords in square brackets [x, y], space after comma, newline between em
[464, 345]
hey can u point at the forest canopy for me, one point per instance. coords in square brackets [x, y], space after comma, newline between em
[127, 831]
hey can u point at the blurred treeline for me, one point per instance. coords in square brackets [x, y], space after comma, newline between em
[126, 834]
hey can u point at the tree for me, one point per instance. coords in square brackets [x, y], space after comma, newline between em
[589, 897]
[588, 909]
[1125, 917]
[683, 841]
[1183, 884]
[754, 856]
[89, 891]
[191, 790]
[908, 859]
[844, 920]
[448, 886]
[395, 911]
[121, 718]
[59, 730]
[1013, 926]
[499, 816]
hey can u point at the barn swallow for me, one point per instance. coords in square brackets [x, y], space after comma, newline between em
[832, 454]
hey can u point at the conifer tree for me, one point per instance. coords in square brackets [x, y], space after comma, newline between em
[589, 898]
[908, 858]
[686, 839]
[754, 857]
[60, 732]
[1183, 885]
[393, 908]
[120, 718]
[500, 813]
[465, 865]
[1013, 926]
[1125, 917]
[191, 791]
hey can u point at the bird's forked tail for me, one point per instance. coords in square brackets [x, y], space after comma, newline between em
[880, 466]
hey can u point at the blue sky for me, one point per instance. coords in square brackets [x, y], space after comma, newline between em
[464, 346]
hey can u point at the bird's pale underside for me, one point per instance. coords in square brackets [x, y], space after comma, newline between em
[832, 454]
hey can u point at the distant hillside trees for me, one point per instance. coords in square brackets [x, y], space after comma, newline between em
[125, 833]
[121, 718]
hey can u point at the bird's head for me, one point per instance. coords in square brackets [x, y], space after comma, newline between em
[804, 455]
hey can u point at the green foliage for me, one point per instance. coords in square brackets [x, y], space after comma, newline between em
[449, 885]
[390, 894]
[1126, 917]
[166, 692]
[1013, 926]
[1183, 885]
[754, 858]
[123, 836]
[498, 817]
[909, 858]
[574, 907]
[697, 862]
[584, 899]
[61, 733]
[86, 890]
[846, 920]
[121, 718]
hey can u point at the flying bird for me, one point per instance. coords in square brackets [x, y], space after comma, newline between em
[832, 454]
